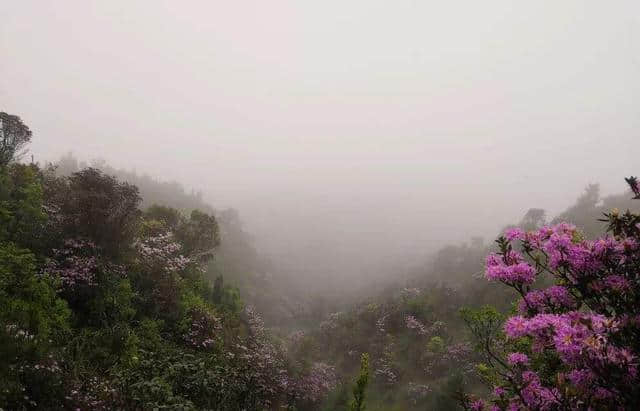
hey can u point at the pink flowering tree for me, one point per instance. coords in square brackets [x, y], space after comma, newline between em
[574, 342]
[79, 263]
[162, 252]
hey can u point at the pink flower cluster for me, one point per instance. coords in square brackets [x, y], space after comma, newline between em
[413, 324]
[456, 356]
[518, 358]
[332, 322]
[536, 396]
[314, 384]
[588, 321]
[578, 338]
[553, 299]
[385, 370]
[509, 268]
[203, 330]
[92, 394]
[162, 251]
[78, 263]
[264, 360]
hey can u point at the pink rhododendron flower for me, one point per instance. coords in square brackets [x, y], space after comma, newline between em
[517, 358]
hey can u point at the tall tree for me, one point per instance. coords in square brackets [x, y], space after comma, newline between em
[360, 387]
[14, 136]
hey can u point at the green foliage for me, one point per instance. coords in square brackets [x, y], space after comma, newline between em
[484, 323]
[33, 320]
[14, 136]
[446, 397]
[199, 235]
[89, 321]
[360, 386]
[338, 399]
[99, 207]
[22, 218]
[435, 344]
[169, 217]
[28, 300]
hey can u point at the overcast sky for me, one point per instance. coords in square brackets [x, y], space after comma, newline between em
[351, 127]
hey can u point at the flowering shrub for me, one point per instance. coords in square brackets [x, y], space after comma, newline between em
[386, 370]
[203, 329]
[413, 324]
[574, 344]
[105, 306]
[381, 326]
[163, 252]
[263, 362]
[93, 393]
[314, 385]
[78, 263]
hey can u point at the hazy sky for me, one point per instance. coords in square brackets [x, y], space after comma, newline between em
[347, 129]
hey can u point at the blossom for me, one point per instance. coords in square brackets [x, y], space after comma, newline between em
[535, 395]
[581, 378]
[517, 358]
[517, 272]
[617, 283]
[203, 330]
[551, 299]
[514, 234]
[163, 252]
[587, 321]
[477, 405]
[414, 324]
[78, 263]
[602, 393]
[515, 327]
[313, 385]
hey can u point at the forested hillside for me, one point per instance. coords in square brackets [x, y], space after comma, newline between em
[118, 291]
[107, 304]
[236, 262]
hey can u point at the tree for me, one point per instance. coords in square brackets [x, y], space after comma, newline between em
[32, 320]
[98, 207]
[360, 387]
[22, 219]
[199, 235]
[584, 212]
[14, 135]
[534, 218]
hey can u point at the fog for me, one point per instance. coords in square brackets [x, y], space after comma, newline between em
[351, 136]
